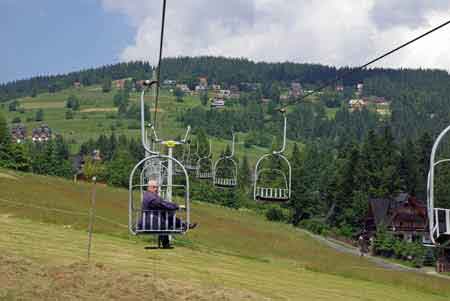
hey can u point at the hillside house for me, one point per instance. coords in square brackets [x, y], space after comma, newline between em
[119, 84]
[377, 100]
[296, 90]
[234, 92]
[356, 104]
[359, 89]
[18, 133]
[199, 89]
[203, 82]
[215, 87]
[250, 86]
[404, 216]
[76, 84]
[79, 161]
[218, 103]
[223, 94]
[169, 82]
[41, 134]
[184, 88]
[284, 97]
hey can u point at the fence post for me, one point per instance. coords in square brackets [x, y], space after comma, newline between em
[91, 217]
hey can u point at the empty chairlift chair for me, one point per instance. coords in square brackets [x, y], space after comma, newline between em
[190, 160]
[205, 166]
[226, 170]
[272, 176]
[439, 218]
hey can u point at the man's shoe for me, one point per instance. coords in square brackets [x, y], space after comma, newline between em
[192, 226]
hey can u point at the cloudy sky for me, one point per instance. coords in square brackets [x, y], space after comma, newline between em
[63, 35]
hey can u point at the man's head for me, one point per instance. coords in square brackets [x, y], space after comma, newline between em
[152, 186]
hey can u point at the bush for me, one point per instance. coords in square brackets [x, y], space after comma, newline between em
[345, 231]
[385, 244]
[276, 214]
[315, 226]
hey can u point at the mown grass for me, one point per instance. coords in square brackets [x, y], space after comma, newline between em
[231, 250]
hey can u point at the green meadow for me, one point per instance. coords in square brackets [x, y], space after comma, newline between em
[97, 115]
[232, 255]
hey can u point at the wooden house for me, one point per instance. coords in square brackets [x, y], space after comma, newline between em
[18, 133]
[218, 103]
[356, 104]
[41, 134]
[404, 216]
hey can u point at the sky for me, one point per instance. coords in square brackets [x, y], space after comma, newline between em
[58, 36]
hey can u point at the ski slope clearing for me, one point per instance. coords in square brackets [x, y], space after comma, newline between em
[233, 255]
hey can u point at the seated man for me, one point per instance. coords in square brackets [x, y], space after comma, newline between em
[153, 202]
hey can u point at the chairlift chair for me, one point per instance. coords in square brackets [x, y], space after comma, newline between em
[279, 187]
[190, 161]
[205, 165]
[158, 167]
[438, 218]
[156, 222]
[226, 170]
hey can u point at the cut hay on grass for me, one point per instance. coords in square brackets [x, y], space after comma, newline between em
[43, 105]
[89, 110]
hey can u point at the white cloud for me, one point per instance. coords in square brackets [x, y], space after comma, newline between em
[334, 32]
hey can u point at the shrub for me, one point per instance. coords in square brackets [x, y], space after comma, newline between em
[276, 214]
[315, 226]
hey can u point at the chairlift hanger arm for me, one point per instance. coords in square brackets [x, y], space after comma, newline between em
[283, 147]
[232, 147]
[188, 131]
[147, 83]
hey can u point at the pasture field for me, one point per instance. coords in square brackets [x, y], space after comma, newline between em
[232, 255]
[97, 115]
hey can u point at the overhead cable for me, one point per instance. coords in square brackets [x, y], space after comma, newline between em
[353, 70]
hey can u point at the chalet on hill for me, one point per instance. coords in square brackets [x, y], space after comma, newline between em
[404, 216]
[41, 134]
[18, 133]
[218, 103]
[339, 88]
[203, 82]
[234, 92]
[359, 88]
[356, 104]
[183, 87]
[296, 90]
[78, 164]
[215, 87]
[169, 82]
[120, 83]
[224, 93]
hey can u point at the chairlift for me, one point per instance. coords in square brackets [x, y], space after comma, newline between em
[226, 169]
[190, 160]
[273, 184]
[158, 167]
[205, 165]
[438, 218]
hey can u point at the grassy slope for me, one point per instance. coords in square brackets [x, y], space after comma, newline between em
[233, 254]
